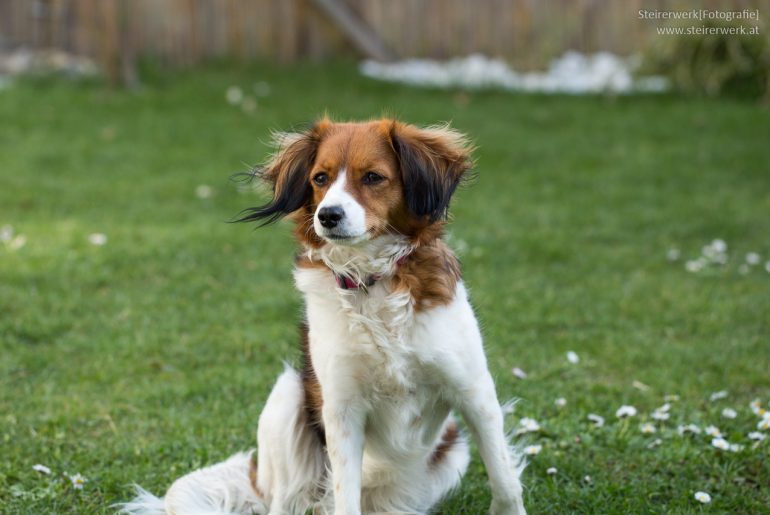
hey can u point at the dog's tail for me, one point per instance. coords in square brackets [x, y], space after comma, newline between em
[223, 489]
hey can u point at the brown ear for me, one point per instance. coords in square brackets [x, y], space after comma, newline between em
[287, 172]
[433, 161]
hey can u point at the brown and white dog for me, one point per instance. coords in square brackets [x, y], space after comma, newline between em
[391, 344]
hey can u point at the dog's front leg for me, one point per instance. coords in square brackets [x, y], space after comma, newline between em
[344, 423]
[484, 417]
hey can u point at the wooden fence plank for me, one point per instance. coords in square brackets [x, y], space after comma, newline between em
[182, 32]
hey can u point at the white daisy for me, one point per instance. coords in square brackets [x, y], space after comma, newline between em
[551, 471]
[528, 425]
[655, 443]
[625, 411]
[713, 431]
[752, 258]
[573, 358]
[702, 497]
[532, 450]
[767, 266]
[647, 428]
[729, 413]
[98, 239]
[78, 481]
[234, 95]
[6, 233]
[660, 415]
[41, 468]
[718, 395]
[673, 254]
[598, 420]
[756, 435]
[764, 424]
[735, 447]
[719, 245]
[688, 428]
[640, 386]
[716, 252]
[588, 479]
[694, 265]
[560, 402]
[671, 398]
[720, 258]
[756, 407]
[203, 191]
[516, 371]
[720, 443]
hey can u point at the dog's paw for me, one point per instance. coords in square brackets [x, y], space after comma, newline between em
[512, 507]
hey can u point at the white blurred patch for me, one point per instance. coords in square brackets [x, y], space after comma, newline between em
[98, 239]
[573, 73]
[234, 95]
[203, 191]
[516, 371]
[41, 468]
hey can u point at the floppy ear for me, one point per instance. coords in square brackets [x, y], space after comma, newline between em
[433, 161]
[287, 173]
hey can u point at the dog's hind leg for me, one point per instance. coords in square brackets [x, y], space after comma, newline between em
[291, 463]
[284, 479]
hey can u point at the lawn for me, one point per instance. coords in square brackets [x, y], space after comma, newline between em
[143, 358]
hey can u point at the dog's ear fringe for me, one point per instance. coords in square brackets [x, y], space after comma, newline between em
[434, 161]
[285, 170]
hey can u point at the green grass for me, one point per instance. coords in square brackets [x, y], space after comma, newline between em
[142, 359]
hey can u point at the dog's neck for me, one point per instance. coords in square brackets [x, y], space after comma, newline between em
[378, 257]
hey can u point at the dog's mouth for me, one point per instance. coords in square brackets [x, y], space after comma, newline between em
[345, 239]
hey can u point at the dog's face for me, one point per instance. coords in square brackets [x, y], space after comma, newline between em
[347, 183]
[357, 186]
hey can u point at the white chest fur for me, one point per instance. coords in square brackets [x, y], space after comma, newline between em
[362, 333]
[373, 353]
[371, 349]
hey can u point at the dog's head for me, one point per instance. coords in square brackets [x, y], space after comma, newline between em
[347, 183]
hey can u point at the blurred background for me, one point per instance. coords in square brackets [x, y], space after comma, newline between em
[615, 242]
[527, 34]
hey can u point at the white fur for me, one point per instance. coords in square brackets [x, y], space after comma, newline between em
[353, 224]
[223, 488]
[389, 377]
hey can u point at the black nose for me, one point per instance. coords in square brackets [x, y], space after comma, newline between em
[330, 216]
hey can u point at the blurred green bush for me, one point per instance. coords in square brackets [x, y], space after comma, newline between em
[714, 64]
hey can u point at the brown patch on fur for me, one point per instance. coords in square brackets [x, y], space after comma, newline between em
[448, 439]
[312, 389]
[253, 476]
[430, 275]
[302, 261]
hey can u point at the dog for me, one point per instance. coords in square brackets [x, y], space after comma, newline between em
[391, 344]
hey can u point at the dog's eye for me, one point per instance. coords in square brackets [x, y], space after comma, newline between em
[321, 178]
[372, 178]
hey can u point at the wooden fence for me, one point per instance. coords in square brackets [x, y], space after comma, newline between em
[182, 32]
